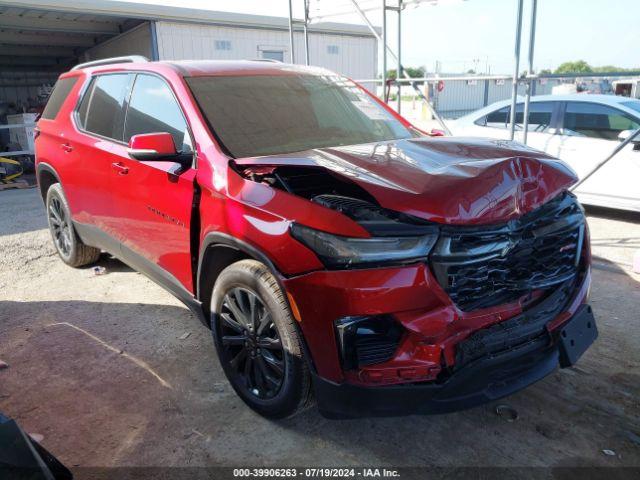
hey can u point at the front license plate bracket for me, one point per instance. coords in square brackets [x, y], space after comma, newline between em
[577, 336]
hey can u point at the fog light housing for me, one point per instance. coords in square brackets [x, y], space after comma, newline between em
[367, 340]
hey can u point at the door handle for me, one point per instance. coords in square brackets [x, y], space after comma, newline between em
[120, 168]
[66, 147]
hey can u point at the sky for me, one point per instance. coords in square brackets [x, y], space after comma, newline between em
[480, 34]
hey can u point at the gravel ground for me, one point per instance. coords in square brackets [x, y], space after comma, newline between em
[100, 366]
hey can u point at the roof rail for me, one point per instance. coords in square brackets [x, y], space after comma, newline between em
[271, 60]
[108, 61]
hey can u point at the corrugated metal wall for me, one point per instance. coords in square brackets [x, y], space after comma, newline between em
[136, 41]
[464, 96]
[355, 56]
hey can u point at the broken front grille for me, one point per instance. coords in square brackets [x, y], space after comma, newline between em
[523, 329]
[481, 267]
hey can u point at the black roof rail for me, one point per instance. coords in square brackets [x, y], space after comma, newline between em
[108, 61]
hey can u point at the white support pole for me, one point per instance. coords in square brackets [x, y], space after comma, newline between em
[514, 89]
[293, 58]
[531, 79]
[306, 32]
[399, 66]
[384, 49]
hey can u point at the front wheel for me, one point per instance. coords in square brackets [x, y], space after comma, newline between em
[258, 342]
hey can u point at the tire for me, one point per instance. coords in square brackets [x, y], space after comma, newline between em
[65, 239]
[275, 382]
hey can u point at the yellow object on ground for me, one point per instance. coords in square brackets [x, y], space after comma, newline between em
[8, 178]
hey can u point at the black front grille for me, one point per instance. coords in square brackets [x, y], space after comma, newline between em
[481, 267]
[525, 328]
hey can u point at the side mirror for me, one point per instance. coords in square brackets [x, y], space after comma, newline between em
[623, 135]
[152, 146]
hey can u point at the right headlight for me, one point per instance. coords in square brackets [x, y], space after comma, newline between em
[343, 252]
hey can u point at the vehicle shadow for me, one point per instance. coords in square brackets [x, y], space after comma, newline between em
[110, 264]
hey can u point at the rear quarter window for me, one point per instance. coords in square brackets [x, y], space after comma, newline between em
[496, 119]
[60, 93]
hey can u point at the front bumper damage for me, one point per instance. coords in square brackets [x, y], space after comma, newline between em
[497, 366]
[477, 358]
[462, 359]
[495, 309]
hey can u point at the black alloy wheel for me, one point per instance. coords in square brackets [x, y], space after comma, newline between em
[252, 343]
[258, 341]
[60, 227]
[71, 249]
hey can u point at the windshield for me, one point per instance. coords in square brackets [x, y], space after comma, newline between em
[634, 105]
[267, 115]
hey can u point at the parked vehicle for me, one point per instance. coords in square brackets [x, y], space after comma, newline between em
[628, 87]
[327, 243]
[582, 130]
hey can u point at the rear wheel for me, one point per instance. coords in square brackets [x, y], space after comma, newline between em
[68, 245]
[258, 342]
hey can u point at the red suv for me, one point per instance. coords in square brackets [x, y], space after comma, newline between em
[330, 246]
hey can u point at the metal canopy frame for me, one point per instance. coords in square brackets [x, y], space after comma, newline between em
[398, 6]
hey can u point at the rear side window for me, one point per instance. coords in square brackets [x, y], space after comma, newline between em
[61, 91]
[101, 109]
[596, 121]
[154, 109]
[540, 114]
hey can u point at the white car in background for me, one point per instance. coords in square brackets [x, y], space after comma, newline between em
[580, 129]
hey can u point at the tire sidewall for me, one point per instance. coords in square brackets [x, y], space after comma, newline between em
[55, 191]
[290, 394]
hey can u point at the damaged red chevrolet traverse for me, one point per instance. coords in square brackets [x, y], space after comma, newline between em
[333, 249]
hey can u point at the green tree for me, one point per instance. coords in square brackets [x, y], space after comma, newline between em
[579, 66]
[608, 68]
[414, 72]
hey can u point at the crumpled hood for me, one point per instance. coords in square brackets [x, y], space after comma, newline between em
[449, 180]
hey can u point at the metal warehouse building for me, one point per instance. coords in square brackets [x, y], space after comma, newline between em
[40, 39]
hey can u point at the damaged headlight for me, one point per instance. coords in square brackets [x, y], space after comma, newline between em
[343, 252]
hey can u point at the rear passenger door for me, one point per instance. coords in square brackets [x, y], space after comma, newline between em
[100, 121]
[153, 201]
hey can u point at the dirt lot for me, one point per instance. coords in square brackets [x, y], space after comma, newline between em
[100, 367]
